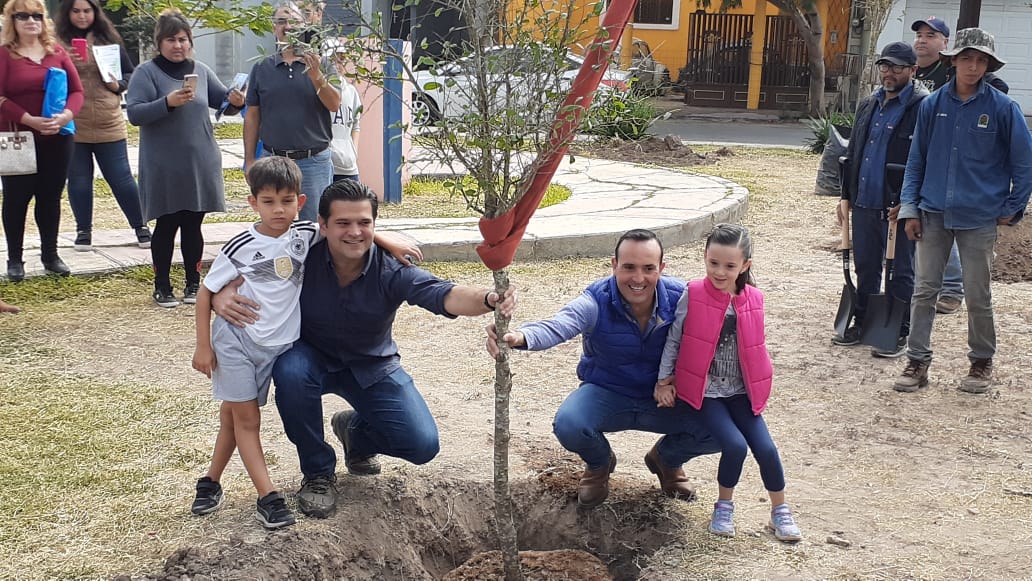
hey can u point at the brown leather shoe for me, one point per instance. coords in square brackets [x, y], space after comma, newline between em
[672, 480]
[594, 484]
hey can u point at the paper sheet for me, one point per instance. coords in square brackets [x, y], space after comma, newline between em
[109, 61]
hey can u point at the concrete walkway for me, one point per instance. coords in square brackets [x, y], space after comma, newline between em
[608, 198]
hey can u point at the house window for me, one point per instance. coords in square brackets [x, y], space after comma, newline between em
[654, 12]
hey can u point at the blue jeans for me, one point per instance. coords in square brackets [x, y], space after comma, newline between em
[114, 166]
[870, 233]
[953, 280]
[316, 175]
[393, 419]
[738, 430]
[592, 410]
[976, 256]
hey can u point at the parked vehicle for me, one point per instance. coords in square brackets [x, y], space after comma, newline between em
[448, 90]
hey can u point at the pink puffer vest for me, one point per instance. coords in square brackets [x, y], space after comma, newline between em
[707, 306]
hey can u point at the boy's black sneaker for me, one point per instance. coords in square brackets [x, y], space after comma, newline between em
[165, 298]
[273, 512]
[143, 236]
[190, 294]
[209, 497]
[83, 241]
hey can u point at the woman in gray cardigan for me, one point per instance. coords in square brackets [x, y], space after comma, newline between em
[180, 163]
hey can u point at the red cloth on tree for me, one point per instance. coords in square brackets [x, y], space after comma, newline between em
[502, 234]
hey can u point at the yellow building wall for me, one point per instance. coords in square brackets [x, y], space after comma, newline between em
[670, 47]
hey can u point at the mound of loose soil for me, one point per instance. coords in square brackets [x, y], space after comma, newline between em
[666, 151]
[564, 565]
[420, 528]
[1014, 254]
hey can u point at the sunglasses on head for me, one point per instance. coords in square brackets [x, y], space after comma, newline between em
[24, 16]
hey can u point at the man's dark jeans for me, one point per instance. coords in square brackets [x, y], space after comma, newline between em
[393, 419]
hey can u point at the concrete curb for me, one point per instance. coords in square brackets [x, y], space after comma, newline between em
[608, 198]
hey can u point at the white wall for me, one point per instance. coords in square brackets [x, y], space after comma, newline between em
[1009, 21]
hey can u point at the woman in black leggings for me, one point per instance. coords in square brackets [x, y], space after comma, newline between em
[27, 50]
[169, 98]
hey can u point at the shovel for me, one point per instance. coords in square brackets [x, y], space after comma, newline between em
[847, 304]
[884, 315]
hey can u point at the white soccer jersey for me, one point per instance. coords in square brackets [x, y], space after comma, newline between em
[273, 269]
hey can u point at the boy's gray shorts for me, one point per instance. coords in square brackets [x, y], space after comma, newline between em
[243, 369]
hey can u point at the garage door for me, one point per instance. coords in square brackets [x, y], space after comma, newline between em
[1010, 21]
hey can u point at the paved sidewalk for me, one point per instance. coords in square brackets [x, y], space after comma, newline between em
[608, 198]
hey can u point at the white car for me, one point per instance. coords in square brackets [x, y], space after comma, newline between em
[449, 89]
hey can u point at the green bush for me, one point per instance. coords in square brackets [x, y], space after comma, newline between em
[626, 116]
[821, 128]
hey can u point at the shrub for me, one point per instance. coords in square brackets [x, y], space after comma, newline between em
[821, 128]
[626, 116]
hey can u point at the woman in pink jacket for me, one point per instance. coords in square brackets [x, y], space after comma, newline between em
[716, 360]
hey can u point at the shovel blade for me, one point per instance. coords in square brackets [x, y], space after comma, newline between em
[882, 322]
[846, 309]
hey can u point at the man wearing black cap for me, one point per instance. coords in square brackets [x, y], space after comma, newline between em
[969, 171]
[881, 135]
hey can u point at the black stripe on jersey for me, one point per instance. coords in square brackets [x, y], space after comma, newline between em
[236, 242]
[307, 226]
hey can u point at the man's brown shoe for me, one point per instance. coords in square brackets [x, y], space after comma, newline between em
[913, 378]
[594, 484]
[948, 305]
[979, 377]
[672, 480]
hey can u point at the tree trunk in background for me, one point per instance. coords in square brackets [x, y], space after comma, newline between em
[503, 500]
[970, 12]
[812, 31]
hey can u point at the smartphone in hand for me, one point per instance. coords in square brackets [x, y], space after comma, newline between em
[190, 82]
[80, 48]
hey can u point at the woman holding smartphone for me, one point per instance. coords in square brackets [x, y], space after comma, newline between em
[100, 127]
[180, 163]
[27, 49]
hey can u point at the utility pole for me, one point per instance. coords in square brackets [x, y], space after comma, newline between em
[969, 13]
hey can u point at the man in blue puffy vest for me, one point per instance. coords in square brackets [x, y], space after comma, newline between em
[623, 320]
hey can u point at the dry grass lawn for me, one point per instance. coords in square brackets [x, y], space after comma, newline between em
[104, 427]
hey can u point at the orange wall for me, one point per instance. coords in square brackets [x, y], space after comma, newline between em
[671, 46]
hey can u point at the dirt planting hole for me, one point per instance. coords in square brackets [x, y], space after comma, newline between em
[416, 528]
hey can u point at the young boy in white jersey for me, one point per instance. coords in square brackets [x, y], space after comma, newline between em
[270, 256]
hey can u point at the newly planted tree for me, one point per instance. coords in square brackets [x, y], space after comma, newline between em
[503, 113]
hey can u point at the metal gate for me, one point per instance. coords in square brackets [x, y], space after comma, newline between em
[717, 73]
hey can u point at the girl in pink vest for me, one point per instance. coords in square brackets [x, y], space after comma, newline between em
[716, 360]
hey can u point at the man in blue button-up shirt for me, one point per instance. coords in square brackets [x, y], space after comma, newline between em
[884, 124]
[969, 170]
[350, 296]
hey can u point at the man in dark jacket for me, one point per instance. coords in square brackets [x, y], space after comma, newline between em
[881, 135]
[932, 35]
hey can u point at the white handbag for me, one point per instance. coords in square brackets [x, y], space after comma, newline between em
[17, 153]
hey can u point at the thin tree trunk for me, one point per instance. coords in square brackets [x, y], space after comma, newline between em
[503, 500]
[812, 31]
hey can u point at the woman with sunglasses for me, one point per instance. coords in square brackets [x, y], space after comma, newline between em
[100, 127]
[27, 51]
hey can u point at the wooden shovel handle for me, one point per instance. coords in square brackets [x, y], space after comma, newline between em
[890, 241]
[846, 243]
